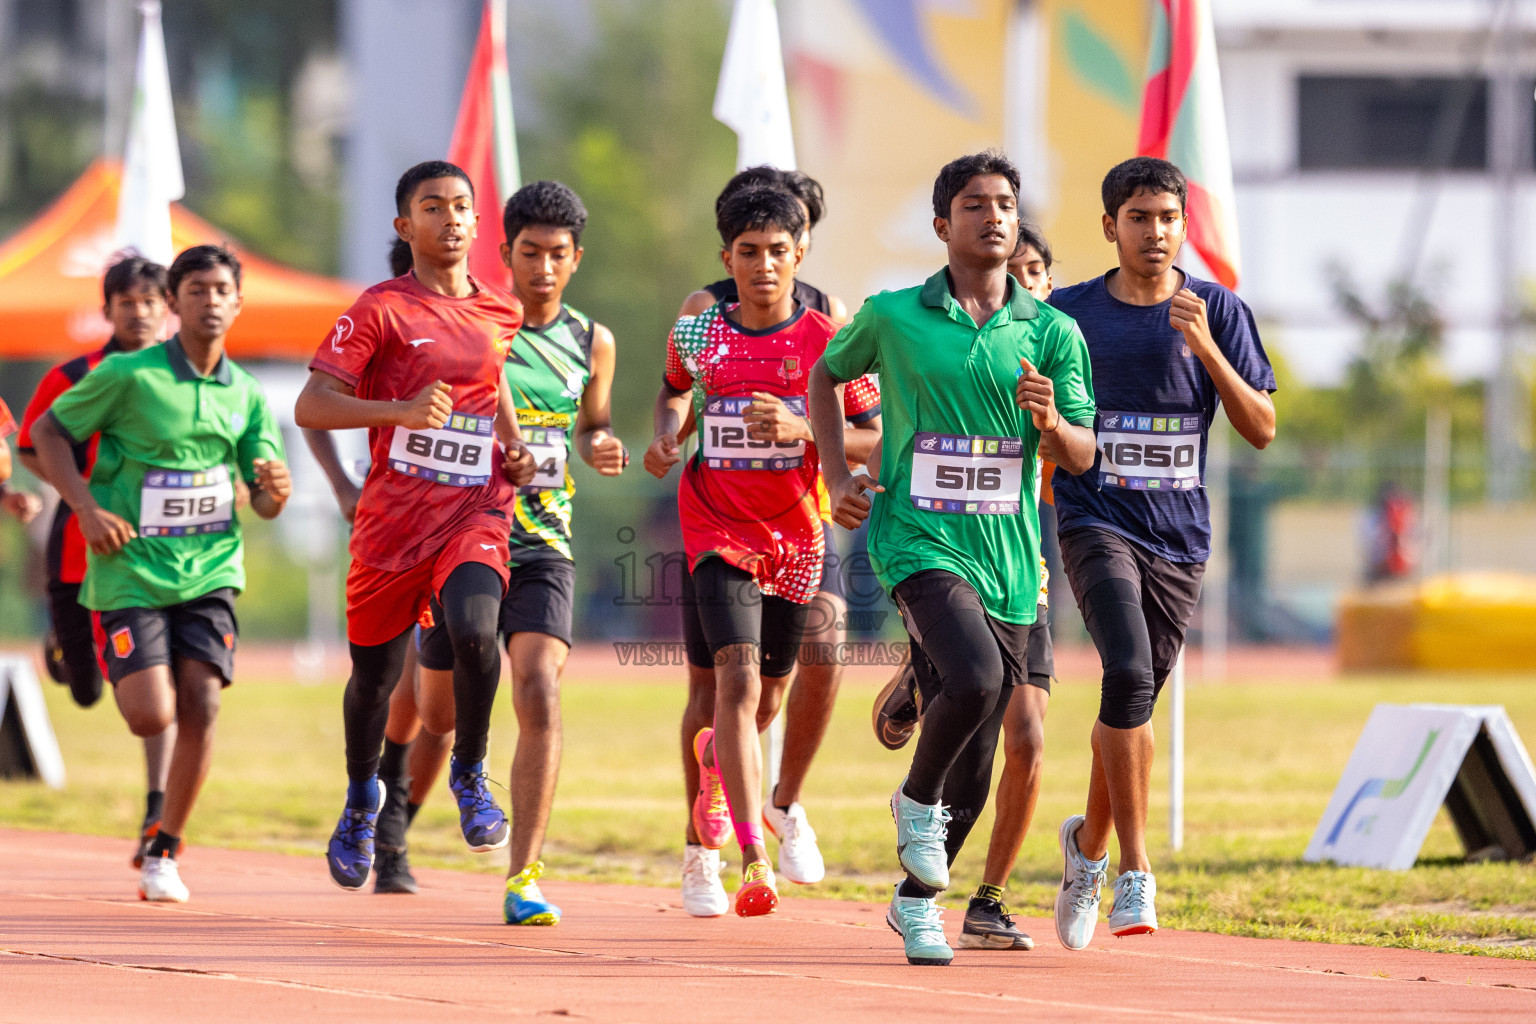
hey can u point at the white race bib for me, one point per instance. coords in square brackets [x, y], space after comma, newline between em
[176, 504]
[967, 474]
[1149, 452]
[547, 444]
[457, 454]
[727, 445]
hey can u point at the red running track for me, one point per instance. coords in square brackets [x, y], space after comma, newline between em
[268, 938]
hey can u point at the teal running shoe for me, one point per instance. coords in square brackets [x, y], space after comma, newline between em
[920, 923]
[920, 835]
[525, 904]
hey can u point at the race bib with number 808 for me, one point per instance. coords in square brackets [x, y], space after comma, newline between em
[177, 504]
[1149, 452]
[727, 444]
[967, 474]
[457, 454]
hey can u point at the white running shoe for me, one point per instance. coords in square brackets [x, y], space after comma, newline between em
[703, 895]
[1077, 901]
[799, 856]
[1135, 909]
[160, 882]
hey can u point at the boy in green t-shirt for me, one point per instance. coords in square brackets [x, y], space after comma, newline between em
[185, 436]
[954, 534]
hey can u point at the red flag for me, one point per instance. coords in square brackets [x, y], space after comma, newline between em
[1182, 121]
[485, 143]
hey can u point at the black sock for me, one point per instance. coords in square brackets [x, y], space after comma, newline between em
[154, 805]
[913, 889]
[410, 814]
[164, 845]
[392, 762]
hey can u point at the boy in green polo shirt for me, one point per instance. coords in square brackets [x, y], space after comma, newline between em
[182, 429]
[953, 537]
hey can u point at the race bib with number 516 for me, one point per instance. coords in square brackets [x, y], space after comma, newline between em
[1149, 452]
[967, 474]
[457, 454]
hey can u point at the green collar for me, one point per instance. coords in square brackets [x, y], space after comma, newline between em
[184, 371]
[936, 293]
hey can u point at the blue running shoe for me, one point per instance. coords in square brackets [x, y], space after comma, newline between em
[485, 827]
[920, 835]
[525, 904]
[350, 851]
[920, 923]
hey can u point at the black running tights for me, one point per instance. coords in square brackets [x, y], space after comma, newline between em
[470, 601]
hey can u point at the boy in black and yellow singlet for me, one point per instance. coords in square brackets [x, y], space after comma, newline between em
[560, 371]
[179, 426]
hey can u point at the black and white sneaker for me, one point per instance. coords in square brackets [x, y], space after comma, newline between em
[897, 710]
[988, 926]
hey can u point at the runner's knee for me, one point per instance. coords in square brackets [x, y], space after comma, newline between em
[471, 602]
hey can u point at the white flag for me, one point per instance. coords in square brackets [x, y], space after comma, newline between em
[152, 165]
[752, 99]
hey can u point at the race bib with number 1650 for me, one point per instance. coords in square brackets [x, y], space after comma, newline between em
[1149, 452]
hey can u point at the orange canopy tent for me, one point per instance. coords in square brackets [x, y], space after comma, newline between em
[50, 282]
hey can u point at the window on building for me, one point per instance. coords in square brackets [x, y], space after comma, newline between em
[1361, 123]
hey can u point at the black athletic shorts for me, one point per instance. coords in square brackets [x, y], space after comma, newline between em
[80, 663]
[927, 598]
[728, 608]
[202, 629]
[1039, 655]
[1169, 590]
[540, 598]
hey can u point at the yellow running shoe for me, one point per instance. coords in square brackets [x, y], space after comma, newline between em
[525, 904]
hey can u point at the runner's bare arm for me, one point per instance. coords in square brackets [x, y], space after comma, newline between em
[837, 311]
[662, 454]
[861, 441]
[5, 461]
[518, 466]
[1251, 411]
[103, 531]
[849, 505]
[323, 447]
[329, 403]
[1068, 445]
[594, 417]
[272, 488]
[696, 303]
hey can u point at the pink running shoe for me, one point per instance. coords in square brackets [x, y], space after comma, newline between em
[711, 815]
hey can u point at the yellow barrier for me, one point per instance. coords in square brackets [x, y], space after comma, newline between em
[1461, 621]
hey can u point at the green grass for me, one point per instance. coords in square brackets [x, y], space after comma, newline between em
[1263, 759]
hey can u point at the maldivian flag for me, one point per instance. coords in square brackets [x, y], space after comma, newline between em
[1182, 121]
[152, 178]
[485, 142]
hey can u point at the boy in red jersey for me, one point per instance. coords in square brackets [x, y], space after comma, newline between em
[748, 505]
[134, 297]
[417, 360]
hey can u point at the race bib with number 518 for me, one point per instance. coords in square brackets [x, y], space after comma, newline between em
[967, 474]
[457, 454]
[1149, 452]
[178, 504]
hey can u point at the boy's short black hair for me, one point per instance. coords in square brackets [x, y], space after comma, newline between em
[129, 271]
[759, 208]
[1031, 237]
[797, 183]
[401, 260]
[547, 203]
[405, 189]
[1142, 174]
[199, 258]
[957, 172]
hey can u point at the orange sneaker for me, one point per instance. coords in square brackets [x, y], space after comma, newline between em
[757, 895]
[711, 813]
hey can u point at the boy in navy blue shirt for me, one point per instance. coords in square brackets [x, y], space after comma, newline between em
[1135, 531]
